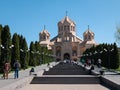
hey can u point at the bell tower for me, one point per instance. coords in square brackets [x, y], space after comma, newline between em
[88, 35]
[44, 37]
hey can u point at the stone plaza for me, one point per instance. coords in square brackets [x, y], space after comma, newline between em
[59, 76]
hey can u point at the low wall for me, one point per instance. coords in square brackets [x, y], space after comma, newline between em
[110, 84]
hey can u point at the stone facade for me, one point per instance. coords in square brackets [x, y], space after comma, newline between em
[67, 45]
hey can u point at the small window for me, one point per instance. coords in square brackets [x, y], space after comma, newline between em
[64, 27]
[44, 37]
[71, 28]
[68, 28]
[59, 29]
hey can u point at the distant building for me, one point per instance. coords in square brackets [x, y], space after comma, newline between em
[67, 45]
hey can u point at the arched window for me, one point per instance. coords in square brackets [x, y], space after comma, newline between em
[74, 53]
[71, 28]
[64, 27]
[58, 51]
[89, 37]
[74, 50]
[44, 37]
[68, 28]
[59, 29]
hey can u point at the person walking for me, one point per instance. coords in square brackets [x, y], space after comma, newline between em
[6, 70]
[99, 63]
[16, 67]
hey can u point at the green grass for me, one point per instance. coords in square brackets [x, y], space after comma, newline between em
[118, 69]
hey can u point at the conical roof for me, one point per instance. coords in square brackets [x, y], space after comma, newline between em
[45, 32]
[88, 32]
[66, 19]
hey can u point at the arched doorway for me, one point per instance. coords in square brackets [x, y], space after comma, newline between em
[67, 56]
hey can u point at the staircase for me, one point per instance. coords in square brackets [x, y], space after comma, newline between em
[66, 74]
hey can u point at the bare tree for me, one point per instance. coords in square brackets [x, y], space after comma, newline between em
[117, 35]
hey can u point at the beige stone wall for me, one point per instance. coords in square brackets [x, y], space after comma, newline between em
[67, 42]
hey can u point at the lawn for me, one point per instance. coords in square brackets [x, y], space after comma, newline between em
[118, 69]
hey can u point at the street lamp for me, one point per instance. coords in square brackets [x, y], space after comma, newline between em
[23, 55]
[6, 50]
[36, 55]
[11, 46]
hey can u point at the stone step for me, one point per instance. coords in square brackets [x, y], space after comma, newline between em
[65, 72]
[65, 80]
[66, 69]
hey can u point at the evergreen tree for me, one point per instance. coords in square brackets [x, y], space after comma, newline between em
[15, 50]
[32, 60]
[24, 54]
[37, 53]
[20, 40]
[6, 42]
[20, 47]
[1, 28]
[115, 57]
[108, 53]
[45, 55]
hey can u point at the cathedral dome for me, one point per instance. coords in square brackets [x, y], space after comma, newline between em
[45, 32]
[88, 35]
[88, 32]
[66, 20]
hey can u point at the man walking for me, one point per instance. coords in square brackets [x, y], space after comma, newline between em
[17, 67]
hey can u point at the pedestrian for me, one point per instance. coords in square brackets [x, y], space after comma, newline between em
[91, 68]
[6, 70]
[16, 67]
[31, 71]
[89, 62]
[48, 64]
[84, 66]
[83, 61]
[99, 63]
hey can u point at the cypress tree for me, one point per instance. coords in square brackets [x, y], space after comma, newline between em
[1, 28]
[6, 42]
[24, 54]
[20, 46]
[15, 50]
[37, 54]
[45, 50]
[115, 60]
[32, 60]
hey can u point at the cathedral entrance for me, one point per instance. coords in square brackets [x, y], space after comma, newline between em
[67, 56]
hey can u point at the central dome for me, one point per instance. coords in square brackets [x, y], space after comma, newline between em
[66, 20]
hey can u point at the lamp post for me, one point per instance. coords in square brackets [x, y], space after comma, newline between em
[6, 50]
[36, 56]
[23, 58]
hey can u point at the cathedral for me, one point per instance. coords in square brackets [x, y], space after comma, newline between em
[67, 45]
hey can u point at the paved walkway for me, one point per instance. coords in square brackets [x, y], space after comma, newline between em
[61, 77]
[23, 74]
[112, 76]
[64, 87]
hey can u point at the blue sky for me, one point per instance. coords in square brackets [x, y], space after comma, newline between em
[28, 17]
